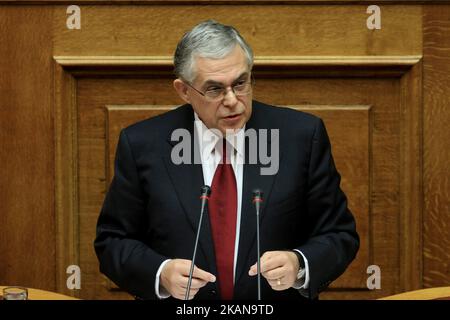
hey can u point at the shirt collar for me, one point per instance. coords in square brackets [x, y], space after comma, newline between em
[208, 138]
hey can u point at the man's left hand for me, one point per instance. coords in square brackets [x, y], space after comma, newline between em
[280, 268]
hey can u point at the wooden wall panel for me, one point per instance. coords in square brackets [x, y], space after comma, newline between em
[436, 153]
[33, 186]
[119, 117]
[298, 30]
[93, 96]
[350, 132]
[384, 158]
[380, 190]
[27, 215]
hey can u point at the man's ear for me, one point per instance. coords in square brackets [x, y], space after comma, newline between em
[181, 89]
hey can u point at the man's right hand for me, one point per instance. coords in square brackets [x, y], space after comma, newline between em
[175, 277]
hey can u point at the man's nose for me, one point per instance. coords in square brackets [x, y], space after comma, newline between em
[230, 99]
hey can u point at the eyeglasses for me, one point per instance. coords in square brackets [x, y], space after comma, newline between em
[216, 93]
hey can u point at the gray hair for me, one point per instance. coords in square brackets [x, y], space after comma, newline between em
[209, 39]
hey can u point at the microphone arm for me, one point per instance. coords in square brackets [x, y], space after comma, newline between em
[257, 199]
[205, 193]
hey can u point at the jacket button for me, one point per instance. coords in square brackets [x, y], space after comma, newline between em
[213, 292]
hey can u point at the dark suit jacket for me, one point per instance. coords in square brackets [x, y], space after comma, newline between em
[152, 208]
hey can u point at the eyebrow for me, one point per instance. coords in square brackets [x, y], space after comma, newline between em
[216, 83]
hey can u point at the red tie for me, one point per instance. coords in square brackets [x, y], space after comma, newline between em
[222, 215]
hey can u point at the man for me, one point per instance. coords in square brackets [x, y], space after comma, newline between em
[147, 227]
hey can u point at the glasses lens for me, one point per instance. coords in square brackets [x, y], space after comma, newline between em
[242, 89]
[238, 90]
[215, 94]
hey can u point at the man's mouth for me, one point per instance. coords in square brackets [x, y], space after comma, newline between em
[233, 117]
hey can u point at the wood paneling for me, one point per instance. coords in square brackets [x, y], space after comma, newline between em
[27, 215]
[380, 219]
[122, 55]
[92, 154]
[350, 131]
[298, 30]
[385, 164]
[436, 154]
[119, 117]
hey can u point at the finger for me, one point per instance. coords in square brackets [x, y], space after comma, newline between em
[279, 284]
[184, 266]
[274, 274]
[275, 283]
[253, 270]
[270, 263]
[198, 283]
[203, 275]
[195, 284]
[269, 255]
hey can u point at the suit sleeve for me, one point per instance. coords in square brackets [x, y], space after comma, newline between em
[123, 256]
[333, 241]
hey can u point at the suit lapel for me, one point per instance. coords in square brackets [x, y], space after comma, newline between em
[187, 180]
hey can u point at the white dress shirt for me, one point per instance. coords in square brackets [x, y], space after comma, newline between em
[211, 156]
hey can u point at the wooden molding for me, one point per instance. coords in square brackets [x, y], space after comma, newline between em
[285, 61]
[266, 66]
[66, 177]
[411, 178]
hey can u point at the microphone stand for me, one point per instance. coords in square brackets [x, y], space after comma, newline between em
[257, 199]
[205, 193]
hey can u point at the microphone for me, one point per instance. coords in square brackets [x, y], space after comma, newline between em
[205, 193]
[257, 199]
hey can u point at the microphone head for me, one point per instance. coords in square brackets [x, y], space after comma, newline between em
[257, 194]
[205, 191]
